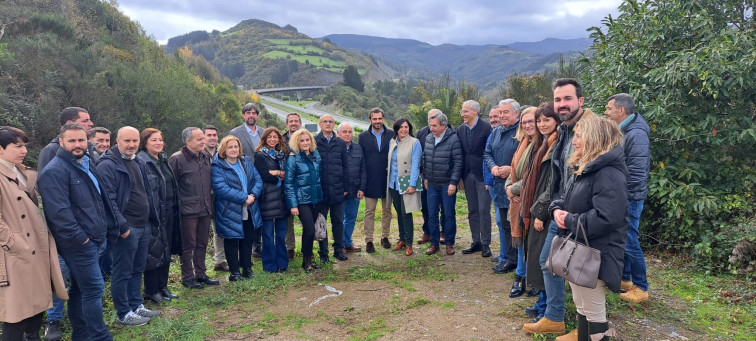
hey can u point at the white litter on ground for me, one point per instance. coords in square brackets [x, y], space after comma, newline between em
[329, 288]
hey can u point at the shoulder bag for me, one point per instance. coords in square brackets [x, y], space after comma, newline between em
[576, 262]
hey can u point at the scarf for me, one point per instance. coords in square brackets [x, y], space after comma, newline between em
[514, 207]
[531, 178]
[277, 155]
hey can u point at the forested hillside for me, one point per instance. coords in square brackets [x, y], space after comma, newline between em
[60, 53]
[260, 54]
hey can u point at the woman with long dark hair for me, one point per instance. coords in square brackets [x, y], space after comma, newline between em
[403, 188]
[270, 158]
[535, 200]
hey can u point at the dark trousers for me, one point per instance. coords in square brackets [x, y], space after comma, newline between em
[85, 293]
[239, 251]
[156, 279]
[506, 251]
[256, 239]
[337, 228]
[439, 195]
[129, 259]
[15, 331]
[402, 217]
[307, 216]
[425, 211]
[194, 235]
[274, 256]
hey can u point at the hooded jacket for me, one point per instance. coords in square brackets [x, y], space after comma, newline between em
[443, 161]
[598, 198]
[637, 157]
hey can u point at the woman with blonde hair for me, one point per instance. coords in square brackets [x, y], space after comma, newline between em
[236, 187]
[526, 134]
[596, 198]
[302, 189]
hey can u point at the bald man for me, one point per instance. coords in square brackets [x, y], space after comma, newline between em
[125, 177]
[333, 173]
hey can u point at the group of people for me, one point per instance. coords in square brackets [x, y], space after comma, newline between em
[121, 212]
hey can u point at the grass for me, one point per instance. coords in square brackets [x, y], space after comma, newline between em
[371, 331]
[318, 61]
[300, 103]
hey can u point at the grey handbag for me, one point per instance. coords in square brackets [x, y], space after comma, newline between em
[321, 229]
[574, 261]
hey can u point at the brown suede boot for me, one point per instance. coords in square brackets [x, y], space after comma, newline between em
[544, 326]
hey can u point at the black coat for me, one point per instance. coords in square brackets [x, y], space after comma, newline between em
[159, 249]
[376, 161]
[333, 170]
[598, 197]
[356, 165]
[272, 203]
[443, 161]
[473, 152]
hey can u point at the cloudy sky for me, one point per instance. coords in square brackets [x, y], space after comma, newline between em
[432, 21]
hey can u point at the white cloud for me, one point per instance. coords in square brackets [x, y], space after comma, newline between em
[435, 22]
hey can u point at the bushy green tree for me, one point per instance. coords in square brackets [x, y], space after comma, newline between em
[353, 79]
[691, 66]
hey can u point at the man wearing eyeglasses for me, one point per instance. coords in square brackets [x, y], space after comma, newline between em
[473, 134]
[333, 175]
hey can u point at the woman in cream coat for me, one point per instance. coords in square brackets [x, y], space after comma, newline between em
[404, 159]
[29, 268]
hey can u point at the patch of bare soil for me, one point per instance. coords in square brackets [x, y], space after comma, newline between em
[471, 303]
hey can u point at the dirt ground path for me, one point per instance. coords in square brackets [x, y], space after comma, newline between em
[469, 302]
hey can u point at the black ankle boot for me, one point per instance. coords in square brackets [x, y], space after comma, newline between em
[584, 333]
[598, 328]
[518, 287]
[307, 265]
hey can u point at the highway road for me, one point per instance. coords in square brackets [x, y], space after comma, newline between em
[282, 114]
[311, 110]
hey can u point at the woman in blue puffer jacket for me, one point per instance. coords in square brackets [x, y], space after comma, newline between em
[236, 184]
[302, 189]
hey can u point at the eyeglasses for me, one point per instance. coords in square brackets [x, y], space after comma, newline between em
[527, 123]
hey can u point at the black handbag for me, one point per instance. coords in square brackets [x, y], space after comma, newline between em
[576, 262]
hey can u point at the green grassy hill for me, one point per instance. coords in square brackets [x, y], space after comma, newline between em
[257, 54]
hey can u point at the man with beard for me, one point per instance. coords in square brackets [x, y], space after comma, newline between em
[101, 139]
[79, 213]
[293, 123]
[374, 144]
[80, 116]
[568, 102]
[125, 177]
[249, 134]
[211, 147]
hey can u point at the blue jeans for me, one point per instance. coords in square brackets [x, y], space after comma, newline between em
[439, 195]
[635, 263]
[129, 260]
[106, 261]
[86, 292]
[554, 284]
[520, 270]
[274, 255]
[506, 252]
[351, 206]
[540, 305]
[56, 312]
